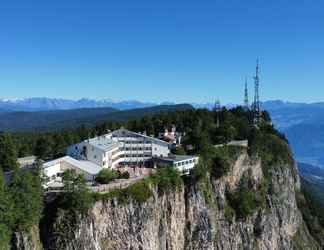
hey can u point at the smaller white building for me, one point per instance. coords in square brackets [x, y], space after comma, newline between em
[182, 162]
[53, 170]
[27, 161]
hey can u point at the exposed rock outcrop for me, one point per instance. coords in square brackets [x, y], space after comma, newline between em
[27, 240]
[196, 217]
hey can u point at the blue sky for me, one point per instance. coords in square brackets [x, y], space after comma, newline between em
[161, 50]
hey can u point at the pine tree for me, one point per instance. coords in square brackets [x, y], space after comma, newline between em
[8, 153]
[6, 215]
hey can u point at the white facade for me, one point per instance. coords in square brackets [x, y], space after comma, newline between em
[53, 170]
[181, 162]
[119, 147]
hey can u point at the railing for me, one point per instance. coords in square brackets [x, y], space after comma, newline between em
[117, 184]
[136, 174]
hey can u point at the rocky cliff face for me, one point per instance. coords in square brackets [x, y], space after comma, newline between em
[27, 241]
[197, 216]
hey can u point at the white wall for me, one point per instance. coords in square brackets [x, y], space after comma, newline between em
[186, 165]
[95, 155]
[160, 151]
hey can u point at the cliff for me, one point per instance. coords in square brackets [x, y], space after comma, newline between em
[203, 213]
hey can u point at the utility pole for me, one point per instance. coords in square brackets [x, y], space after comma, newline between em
[246, 96]
[256, 103]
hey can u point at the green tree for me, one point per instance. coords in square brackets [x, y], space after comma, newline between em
[179, 151]
[8, 153]
[59, 146]
[76, 197]
[6, 215]
[43, 149]
[26, 193]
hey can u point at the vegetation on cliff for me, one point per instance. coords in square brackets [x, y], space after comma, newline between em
[165, 180]
[21, 204]
[202, 134]
[312, 211]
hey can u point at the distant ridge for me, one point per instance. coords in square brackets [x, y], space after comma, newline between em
[45, 104]
[61, 119]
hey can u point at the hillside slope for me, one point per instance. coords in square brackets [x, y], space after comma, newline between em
[63, 119]
[313, 178]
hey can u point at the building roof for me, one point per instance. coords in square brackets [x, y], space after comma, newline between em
[103, 143]
[30, 158]
[242, 143]
[122, 131]
[86, 166]
[177, 158]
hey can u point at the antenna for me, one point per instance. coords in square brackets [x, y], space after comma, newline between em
[217, 108]
[256, 103]
[246, 96]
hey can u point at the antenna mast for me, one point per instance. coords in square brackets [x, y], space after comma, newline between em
[256, 103]
[246, 96]
[217, 109]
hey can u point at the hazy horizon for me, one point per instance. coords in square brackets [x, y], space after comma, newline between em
[146, 101]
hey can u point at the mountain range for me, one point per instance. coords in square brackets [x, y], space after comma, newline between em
[45, 104]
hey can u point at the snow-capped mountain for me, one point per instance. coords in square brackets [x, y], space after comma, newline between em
[44, 104]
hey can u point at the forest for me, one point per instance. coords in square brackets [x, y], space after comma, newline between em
[21, 200]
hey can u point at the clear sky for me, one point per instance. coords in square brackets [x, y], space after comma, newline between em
[161, 50]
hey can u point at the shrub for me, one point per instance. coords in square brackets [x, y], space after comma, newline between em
[243, 202]
[124, 175]
[222, 160]
[167, 178]
[140, 191]
[246, 200]
[105, 176]
[221, 167]
[229, 213]
[179, 151]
